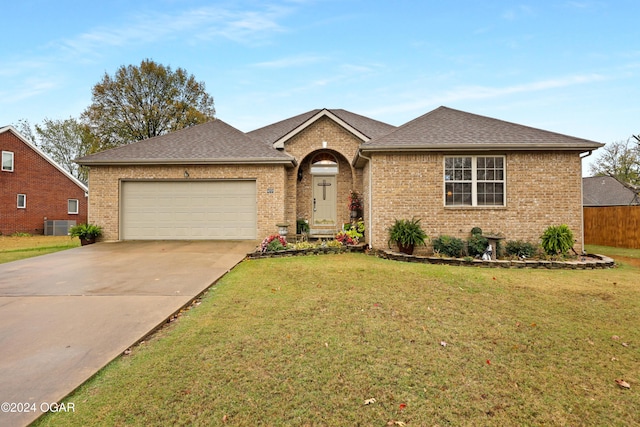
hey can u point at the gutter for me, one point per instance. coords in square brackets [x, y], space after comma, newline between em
[370, 203]
[588, 153]
[483, 147]
[144, 162]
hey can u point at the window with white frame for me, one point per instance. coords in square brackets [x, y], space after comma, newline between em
[22, 201]
[7, 161]
[72, 206]
[474, 181]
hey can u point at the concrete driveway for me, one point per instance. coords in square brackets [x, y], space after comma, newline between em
[66, 315]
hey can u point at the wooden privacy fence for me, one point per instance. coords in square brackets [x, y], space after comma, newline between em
[617, 226]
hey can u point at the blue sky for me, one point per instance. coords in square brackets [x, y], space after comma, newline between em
[570, 66]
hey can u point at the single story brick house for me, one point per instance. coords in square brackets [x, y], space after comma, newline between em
[36, 194]
[454, 170]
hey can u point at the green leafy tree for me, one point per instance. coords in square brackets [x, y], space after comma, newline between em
[620, 159]
[24, 128]
[140, 102]
[64, 141]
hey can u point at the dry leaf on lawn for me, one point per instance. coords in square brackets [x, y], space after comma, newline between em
[623, 384]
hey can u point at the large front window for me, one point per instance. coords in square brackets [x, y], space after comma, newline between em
[474, 181]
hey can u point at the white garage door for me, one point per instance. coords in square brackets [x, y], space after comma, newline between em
[188, 210]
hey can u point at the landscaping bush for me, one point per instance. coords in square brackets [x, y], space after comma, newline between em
[302, 226]
[345, 238]
[273, 243]
[557, 240]
[476, 245]
[407, 234]
[520, 249]
[447, 245]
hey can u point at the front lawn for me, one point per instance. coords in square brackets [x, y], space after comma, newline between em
[13, 248]
[309, 340]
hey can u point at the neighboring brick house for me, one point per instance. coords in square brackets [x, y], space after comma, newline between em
[452, 169]
[34, 189]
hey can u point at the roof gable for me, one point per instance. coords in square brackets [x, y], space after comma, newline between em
[362, 127]
[448, 129]
[211, 142]
[42, 154]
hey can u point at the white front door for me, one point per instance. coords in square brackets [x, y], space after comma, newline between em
[324, 200]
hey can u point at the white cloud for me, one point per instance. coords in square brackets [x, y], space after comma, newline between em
[241, 26]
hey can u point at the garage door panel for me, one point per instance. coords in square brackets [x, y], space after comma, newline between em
[189, 210]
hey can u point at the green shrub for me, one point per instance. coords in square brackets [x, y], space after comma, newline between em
[275, 245]
[520, 249]
[356, 231]
[447, 245]
[476, 231]
[85, 231]
[302, 226]
[557, 240]
[405, 232]
[477, 244]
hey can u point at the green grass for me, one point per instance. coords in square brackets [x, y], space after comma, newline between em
[14, 248]
[306, 340]
[613, 252]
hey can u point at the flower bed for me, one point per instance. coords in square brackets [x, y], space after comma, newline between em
[318, 250]
[591, 261]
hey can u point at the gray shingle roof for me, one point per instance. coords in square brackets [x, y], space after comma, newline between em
[369, 127]
[446, 128]
[211, 142]
[606, 191]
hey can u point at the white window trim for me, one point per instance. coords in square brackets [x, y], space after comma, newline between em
[12, 161]
[24, 201]
[474, 181]
[69, 211]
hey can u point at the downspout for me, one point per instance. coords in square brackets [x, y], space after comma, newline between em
[370, 203]
[582, 197]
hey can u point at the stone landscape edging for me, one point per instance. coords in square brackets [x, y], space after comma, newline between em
[600, 262]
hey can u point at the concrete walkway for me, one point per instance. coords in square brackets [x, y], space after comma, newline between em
[66, 315]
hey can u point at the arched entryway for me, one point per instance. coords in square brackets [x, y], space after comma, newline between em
[325, 178]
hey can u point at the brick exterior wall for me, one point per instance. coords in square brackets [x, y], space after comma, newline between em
[105, 182]
[47, 190]
[542, 189]
[290, 200]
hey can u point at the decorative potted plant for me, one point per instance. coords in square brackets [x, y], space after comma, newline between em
[87, 233]
[407, 234]
[355, 204]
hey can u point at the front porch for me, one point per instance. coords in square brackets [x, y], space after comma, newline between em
[323, 182]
